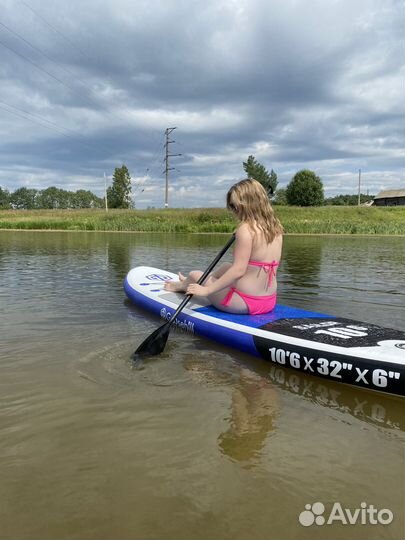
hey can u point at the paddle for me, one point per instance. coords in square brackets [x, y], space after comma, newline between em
[155, 343]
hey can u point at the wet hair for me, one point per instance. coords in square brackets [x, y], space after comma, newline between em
[251, 204]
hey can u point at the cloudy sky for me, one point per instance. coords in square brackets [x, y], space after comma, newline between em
[88, 85]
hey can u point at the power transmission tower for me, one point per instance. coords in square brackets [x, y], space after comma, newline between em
[166, 160]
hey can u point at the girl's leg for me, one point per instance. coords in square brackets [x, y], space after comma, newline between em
[221, 270]
[193, 277]
[236, 305]
[181, 286]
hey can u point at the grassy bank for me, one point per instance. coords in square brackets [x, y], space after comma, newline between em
[322, 220]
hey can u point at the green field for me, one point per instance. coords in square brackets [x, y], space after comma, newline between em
[296, 220]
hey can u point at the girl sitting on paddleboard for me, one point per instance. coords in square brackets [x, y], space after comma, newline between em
[249, 284]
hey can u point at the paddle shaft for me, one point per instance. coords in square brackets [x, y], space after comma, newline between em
[155, 343]
[203, 277]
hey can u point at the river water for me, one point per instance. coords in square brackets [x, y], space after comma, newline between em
[203, 442]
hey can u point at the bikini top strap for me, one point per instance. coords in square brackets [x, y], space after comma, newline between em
[269, 268]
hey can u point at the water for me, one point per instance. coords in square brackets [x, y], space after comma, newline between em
[202, 442]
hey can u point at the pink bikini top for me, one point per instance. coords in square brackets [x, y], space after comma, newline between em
[268, 267]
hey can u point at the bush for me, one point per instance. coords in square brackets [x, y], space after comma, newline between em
[305, 189]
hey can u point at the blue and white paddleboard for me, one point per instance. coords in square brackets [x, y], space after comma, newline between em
[339, 349]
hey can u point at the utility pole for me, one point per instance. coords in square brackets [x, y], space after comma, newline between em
[166, 160]
[105, 193]
[358, 199]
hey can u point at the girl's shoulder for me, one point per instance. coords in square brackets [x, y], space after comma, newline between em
[244, 230]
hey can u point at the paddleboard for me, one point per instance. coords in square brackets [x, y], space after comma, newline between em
[335, 348]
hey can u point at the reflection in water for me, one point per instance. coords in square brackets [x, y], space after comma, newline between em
[258, 388]
[56, 253]
[253, 403]
[366, 405]
[118, 258]
[253, 414]
[301, 263]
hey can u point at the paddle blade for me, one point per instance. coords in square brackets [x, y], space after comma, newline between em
[153, 344]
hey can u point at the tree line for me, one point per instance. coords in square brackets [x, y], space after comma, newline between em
[50, 198]
[118, 196]
[304, 189]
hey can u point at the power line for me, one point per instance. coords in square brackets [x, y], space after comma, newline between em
[33, 63]
[52, 126]
[58, 127]
[72, 44]
[55, 29]
[36, 115]
[36, 122]
[44, 20]
[38, 67]
[156, 154]
[47, 72]
[53, 76]
[70, 73]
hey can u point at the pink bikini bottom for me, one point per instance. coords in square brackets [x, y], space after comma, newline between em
[255, 304]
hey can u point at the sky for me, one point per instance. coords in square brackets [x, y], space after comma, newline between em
[89, 85]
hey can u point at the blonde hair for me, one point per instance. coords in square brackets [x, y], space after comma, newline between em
[251, 204]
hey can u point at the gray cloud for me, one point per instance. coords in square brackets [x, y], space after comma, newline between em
[298, 84]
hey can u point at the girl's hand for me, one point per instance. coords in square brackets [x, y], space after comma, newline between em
[197, 290]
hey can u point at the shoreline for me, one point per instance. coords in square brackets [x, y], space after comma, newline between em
[92, 231]
[324, 220]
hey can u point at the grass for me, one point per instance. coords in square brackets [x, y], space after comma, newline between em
[343, 220]
[319, 220]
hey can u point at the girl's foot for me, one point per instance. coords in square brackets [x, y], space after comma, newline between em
[173, 286]
[181, 277]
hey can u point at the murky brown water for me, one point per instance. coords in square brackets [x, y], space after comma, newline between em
[202, 443]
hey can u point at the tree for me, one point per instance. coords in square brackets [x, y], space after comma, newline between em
[51, 198]
[256, 170]
[4, 198]
[119, 194]
[305, 189]
[280, 197]
[86, 199]
[24, 198]
[348, 200]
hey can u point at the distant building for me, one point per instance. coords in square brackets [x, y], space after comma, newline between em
[393, 197]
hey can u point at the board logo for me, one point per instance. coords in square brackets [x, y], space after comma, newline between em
[345, 332]
[334, 329]
[339, 331]
[400, 346]
[158, 277]
[185, 325]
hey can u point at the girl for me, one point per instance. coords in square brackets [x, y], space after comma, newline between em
[249, 284]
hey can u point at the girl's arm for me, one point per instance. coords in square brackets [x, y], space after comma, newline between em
[241, 256]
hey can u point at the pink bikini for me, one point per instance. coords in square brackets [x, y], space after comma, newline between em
[256, 304]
